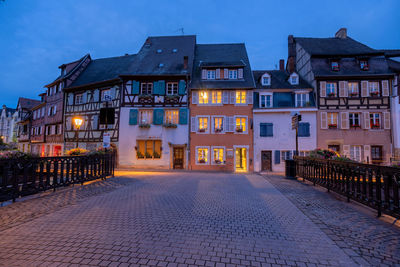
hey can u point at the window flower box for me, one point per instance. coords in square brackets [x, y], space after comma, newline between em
[217, 161]
[218, 130]
[376, 126]
[156, 155]
[374, 93]
[332, 126]
[171, 99]
[331, 95]
[239, 129]
[139, 155]
[355, 126]
[145, 99]
[202, 161]
[148, 155]
[170, 125]
[144, 125]
[353, 94]
[202, 130]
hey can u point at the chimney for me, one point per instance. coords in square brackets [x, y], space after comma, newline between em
[291, 46]
[281, 64]
[147, 43]
[185, 62]
[341, 33]
[291, 65]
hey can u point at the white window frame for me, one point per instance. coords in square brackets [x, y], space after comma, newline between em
[147, 88]
[294, 76]
[200, 97]
[149, 114]
[247, 157]
[354, 153]
[232, 74]
[328, 89]
[352, 89]
[266, 94]
[197, 155]
[174, 118]
[372, 88]
[172, 88]
[223, 124]
[223, 156]
[375, 119]
[236, 97]
[266, 75]
[352, 119]
[198, 124]
[246, 124]
[104, 93]
[211, 74]
[286, 154]
[330, 119]
[302, 102]
[78, 97]
[215, 92]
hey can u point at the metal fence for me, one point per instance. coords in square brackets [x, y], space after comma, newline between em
[375, 186]
[21, 177]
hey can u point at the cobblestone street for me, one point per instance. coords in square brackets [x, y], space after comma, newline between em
[202, 219]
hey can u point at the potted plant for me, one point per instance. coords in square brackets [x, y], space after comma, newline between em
[308, 104]
[202, 130]
[156, 155]
[144, 125]
[331, 95]
[170, 125]
[375, 93]
[217, 161]
[218, 130]
[376, 126]
[140, 155]
[202, 161]
[77, 152]
[331, 126]
[239, 129]
[354, 125]
[353, 94]
[148, 155]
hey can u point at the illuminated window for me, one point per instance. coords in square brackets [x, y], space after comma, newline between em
[375, 120]
[332, 120]
[202, 155]
[353, 89]
[203, 97]
[232, 74]
[218, 155]
[203, 124]
[172, 88]
[211, 74]
[216, 97]
[374, 88]
[171, 116]
[145, 117]
[240, 124]
[331, 89]
[240, 97]
[148, 149]
[218, 124]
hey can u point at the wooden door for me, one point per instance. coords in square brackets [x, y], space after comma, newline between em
[178, 158]
[266, 160]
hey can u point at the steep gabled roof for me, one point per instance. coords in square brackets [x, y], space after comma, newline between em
[76, 66]
[221, 55]
[27, 103]
[169, 51]
[279, 80]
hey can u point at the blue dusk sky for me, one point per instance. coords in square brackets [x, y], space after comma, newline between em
[38, 36]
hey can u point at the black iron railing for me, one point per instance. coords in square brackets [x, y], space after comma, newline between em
[21, 177]
[375, 186]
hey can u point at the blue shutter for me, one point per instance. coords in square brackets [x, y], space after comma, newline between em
[133, 117]
[155, 88]
[135, 87]
[158, 116]
[183, 116]
[256, 100]
[263, 129]
[304, 129]
[270, 129]
[159, 88]
[277, 157]
[182, 87]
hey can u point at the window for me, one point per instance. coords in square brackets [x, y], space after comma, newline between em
[353, 89]
[286, 155]
[210, 74]
[266, 100]
[218, 124]
[218, 155]
[354, 119]
[240, 97]
[202, 155]
[266, 80]
[331, 89]
[335, 65]
[203, 97]
[148, 149]
[43, 111]
[203, 124]
[106, 95]
[375, 120]
[146, 88]
[376, 154]
[302, 100]
[145, 117]
[266, 129]
[240, 125]
[355, 153]
[304, 129]
[216, 97]
[335, 148]
[171, 116]
[374, 88]
[294, 79]
[78, 99]
[172, 88]
[232, 74]
[364, 65]
[332, 120]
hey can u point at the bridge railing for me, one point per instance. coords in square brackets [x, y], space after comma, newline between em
[21, 177]
[375, 186]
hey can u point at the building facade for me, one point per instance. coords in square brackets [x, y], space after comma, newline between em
[24, 122]
[7, 124]
[277, 97]
[353, 86]
[153, 127]
[221, 116]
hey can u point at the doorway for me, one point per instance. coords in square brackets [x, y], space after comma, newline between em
[266, 160]
[178, 158]
[240, 159]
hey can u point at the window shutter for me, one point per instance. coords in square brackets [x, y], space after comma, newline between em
[95, 120]
[233, 97]
[113, 93]
[386, 120]
[249, 95]
[367, 153]
[195, 97]
[324, 120]
[226, 76]
[158, 116]
[96, 95]
[161, 87]
[54, 110]
[193, 124]
[49, 112]
[277, 157]
[84, 97]
[256, 100]
[218, 74]
[301, 129]
[322, 89]
[225, 96]
[270, 129]
[135, 87]
[204, 74]
[346, 89]
[341, 89]
[364, 89]
[344, 120]
[183, 116]
[367, 122]
[240, 73]
[263, 129]
[231, 124]
[133, 117]
[182, 87]
[385, 88]
[306, 129]
[346, 150]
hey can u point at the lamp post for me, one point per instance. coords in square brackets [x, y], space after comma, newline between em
[78, 123]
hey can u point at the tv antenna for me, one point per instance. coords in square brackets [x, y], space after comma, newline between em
[181, 30]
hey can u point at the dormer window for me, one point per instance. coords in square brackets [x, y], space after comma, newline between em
[364, 64]
[294, 79]
[210, 74]
[266, 80]
[159, 51]
[232, 74]
[335, 65]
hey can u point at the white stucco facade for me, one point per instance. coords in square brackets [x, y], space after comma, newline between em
[284, 138]
[395, 115]
[170, 138]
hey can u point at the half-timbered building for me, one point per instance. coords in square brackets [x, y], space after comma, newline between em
[153, 126]
[7, 124]
[221, 117]
[24, 122]
[353, 86]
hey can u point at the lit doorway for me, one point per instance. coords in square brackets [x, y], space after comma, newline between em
[241, 159]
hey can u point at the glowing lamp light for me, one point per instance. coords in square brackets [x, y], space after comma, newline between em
[78, 122]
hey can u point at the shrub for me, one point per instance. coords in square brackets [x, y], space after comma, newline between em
[76, 152]
[15, 154]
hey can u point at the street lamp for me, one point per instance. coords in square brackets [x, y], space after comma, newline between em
[78, 123]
